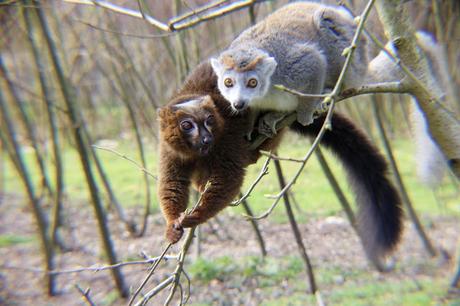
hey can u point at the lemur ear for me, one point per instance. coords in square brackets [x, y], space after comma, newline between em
[216, 65]
[269, 66]
[161, 112]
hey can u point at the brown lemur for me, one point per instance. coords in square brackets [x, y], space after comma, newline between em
[202, 138]
[299, 46]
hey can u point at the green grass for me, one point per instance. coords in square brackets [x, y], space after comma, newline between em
[9, 240]
[312, 190]
[360, 287]
[314, 196]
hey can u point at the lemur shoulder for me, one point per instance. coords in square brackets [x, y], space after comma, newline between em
[202, 139]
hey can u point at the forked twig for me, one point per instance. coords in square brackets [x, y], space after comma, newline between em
[152, 270]
[175, 278]
[85, 295]
[182, 22]
[263, 172]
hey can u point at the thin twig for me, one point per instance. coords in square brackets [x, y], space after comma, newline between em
[152, 270]
[263, 172]
[179, 268]
[295, 230]
[145, 36]
[178, 23]
[276, 157]
[128, 159]
[181, 258]
[157, 289]
[85, 295]
[255, 226]
[124, 11]
[298, 93]
[91, 269]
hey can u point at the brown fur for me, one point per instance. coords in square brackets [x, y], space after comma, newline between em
[230, 63]
[380, 214]
[180, 164]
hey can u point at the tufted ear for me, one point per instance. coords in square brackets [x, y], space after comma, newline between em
[217, 66]
[161, 112]
[207, 101]
[268, 66]
[187, 104]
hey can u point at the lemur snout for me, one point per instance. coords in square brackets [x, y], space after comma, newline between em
[206, 140]
[239, 105]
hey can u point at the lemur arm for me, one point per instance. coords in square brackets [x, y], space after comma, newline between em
[225, 185]
[174, 183]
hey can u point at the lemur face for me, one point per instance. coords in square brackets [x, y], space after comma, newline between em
[243, 79]
[191, 125]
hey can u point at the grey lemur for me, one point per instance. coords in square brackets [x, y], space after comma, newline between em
[431, 163]
[299, 46]
[202, 139]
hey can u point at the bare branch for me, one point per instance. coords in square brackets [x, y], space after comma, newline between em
[149, 36]
[152, 270]
[128, 159]
[298, 93]
[263, 172]
[85, 295]
[182, 22]
[276, 157]
[92, 268]
[179, 268]
[177, 273]
[157, 289]
[124, 11]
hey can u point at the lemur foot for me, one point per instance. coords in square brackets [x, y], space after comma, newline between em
[174, 231]
[304, 115]
[267, 124]
[249, 135]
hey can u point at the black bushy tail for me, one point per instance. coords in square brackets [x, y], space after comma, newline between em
[380, 213]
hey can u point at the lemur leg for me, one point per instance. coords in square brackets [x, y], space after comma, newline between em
[305, 70]
[173, 191]
[268, 122]
[253, 114]
[224, 187]
[306, 110]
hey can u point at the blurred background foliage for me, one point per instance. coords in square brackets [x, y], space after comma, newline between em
[119, 70]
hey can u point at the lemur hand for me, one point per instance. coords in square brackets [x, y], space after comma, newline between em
[305, 112]
[267, 124]
[191, 220]
[174, 231]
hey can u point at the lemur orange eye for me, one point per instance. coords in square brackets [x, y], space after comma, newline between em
[252, 83]
[186, 125]
[228, 82]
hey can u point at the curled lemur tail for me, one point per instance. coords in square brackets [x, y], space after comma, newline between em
[380, 213]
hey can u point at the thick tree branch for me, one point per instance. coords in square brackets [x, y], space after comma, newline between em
[443, 127]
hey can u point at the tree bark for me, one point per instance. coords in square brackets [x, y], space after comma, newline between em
[443, 124]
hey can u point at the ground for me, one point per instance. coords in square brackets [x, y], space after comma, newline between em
[229, 270]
